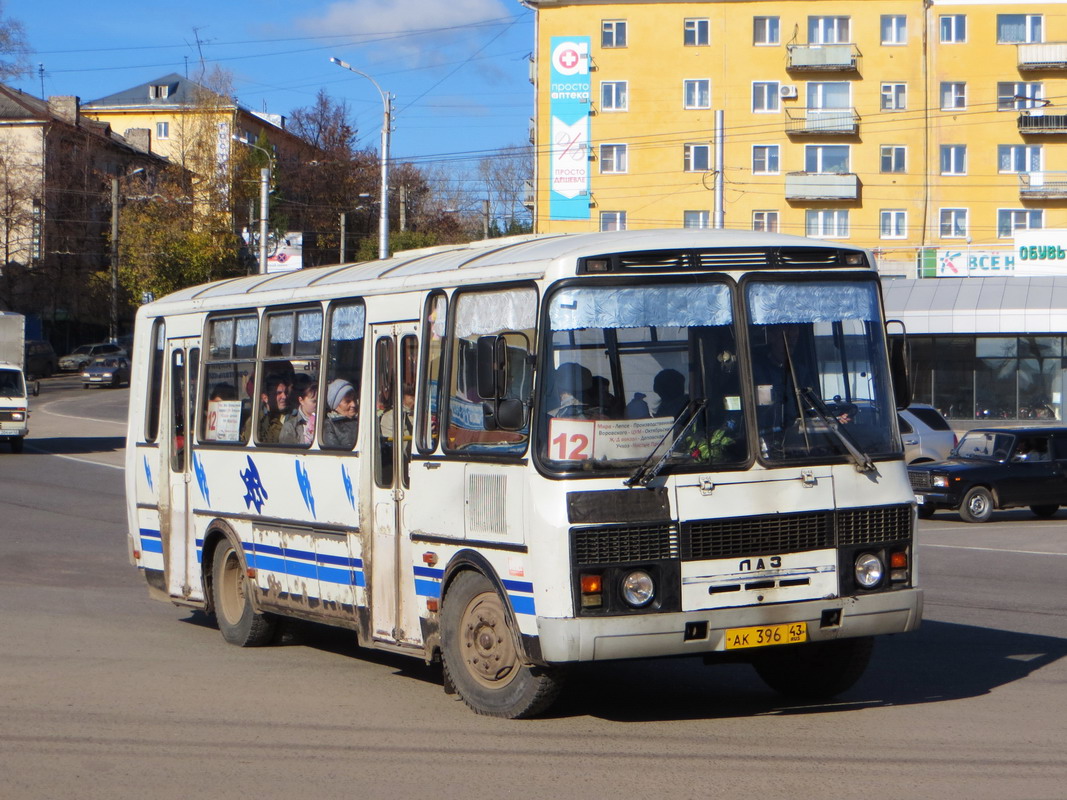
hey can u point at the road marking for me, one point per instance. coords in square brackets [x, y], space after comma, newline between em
[75, 458]
[50, 412]
[992, 549]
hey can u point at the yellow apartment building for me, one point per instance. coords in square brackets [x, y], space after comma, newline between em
[899, 125]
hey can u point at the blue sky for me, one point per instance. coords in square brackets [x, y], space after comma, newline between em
[458, 68]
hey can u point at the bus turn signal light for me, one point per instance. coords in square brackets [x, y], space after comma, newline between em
[592, 590]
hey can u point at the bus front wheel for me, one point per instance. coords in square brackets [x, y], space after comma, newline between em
[237, 619]
[815, 671]
[481, 660]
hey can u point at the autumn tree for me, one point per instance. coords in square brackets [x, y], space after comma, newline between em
[13, 60]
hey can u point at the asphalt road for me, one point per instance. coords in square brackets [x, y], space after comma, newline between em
[105, 693]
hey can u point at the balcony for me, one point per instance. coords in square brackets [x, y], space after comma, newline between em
[822, 57]
[1042, 122]
[1048, 185]
[822, 186]
[1043, 56]
[826, 122]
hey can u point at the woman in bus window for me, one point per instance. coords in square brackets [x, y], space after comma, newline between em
[299, 426]
[342, 417]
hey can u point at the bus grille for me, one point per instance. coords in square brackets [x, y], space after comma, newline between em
[871, 525]
[620, 544]
[919, 480]
[744, 536]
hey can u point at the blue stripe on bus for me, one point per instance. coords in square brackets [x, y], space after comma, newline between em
[522, 604]
[429, 572]
[427, 588]
[519, 586]
[151, 541]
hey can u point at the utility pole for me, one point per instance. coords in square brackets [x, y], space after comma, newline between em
[485, 219]
[341, 255]
[264, 210]
[113, 327]
[720, 215]
[403, 207]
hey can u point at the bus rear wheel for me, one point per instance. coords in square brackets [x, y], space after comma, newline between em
[238, 621]
[817, 670]
[481, 660]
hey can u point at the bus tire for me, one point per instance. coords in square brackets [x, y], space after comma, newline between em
[977, 505]
[1044, 511]
[817, 670]
[237, 619]
[480, 657]
[16, 445]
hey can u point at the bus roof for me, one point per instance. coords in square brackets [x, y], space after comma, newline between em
[503, 259]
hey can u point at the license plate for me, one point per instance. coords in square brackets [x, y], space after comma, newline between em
[765, 635]
[919, 499]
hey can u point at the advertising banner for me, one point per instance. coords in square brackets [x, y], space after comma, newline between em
[1041, 252]
[569, 97]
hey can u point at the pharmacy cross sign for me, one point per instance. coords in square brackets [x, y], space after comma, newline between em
[568, 59]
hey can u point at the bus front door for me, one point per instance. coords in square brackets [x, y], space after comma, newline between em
[175, 498]
[394, 615]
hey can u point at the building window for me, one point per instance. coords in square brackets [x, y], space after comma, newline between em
[698, 93]
[697, 219]
[828, 30]
[613, 96]
[765, 221]
[765, 159]
[893, 224]
[953, 159]
[953, 95]
[894, 158]
[765, 95]
[159, 91]
[827, 158]
[697, 157]
[1010, 220]
[765, 31]
[162, 130]
[697, 33]
[953, 223]
[953, 28]
[894, 96]
[613, 33]
[1014, 158]
[612, 159]
[612, 220]
[1019, 28]
[894, 29]
[829, 223]
[1013, 96]
[834, 96]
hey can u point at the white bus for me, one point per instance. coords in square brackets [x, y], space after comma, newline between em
[519, 454]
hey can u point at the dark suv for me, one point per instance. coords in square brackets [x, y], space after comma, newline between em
[40, 359]
[995, 468]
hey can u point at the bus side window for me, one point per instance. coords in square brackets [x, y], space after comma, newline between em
[229, 373]
[344, 372]
[433, 337]
[155, 383]
[385, 411]
[409, 353]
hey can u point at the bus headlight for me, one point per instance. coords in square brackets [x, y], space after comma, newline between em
[638, 588]
[869, 570]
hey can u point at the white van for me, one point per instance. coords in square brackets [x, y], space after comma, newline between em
[14, 405]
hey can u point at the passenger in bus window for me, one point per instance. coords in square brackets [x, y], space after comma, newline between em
[573, 384]
[669, 384]
[299, 424]
[274, 402]
[342, 416]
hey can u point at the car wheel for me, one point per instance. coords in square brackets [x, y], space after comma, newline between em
[1044, 511]
[977, 505]
[925, 512]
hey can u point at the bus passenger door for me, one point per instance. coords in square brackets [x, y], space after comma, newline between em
[394, 616]
[175, 499]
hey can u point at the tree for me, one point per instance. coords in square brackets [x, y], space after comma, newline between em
[506, 175]
[13, 59]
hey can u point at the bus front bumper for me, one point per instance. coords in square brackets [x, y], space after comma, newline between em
[697, 632]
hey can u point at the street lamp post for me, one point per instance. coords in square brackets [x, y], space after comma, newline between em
[264, 206]
[387, 108]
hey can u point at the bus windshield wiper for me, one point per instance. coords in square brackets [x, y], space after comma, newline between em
[862, 460]
[644, 474]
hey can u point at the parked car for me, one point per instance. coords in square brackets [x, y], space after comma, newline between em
[81, 356]
[110, 371]
[995, 468]
[40, 360]
[926, 434]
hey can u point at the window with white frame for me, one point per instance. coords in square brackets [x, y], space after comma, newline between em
[953, 28]
[953, 159]
[697, 157]
[765, 31]
[612, 220]
[613, 96]
[765, 159]
[612, 159]
[894, 96]
[894, 29]
[698, 93]
[829, 30]
[765, 96]
[829, 96]
[697, 33]
[1019, 158]
[953, 95]
[1019, 95]
[162, 130]
[894, 158]
[826, 223]
[613, 33]
[1010, 220]
[765, 221]
[953, 223]
[826, 158]
[1019, 28]
[893, 223]
[696, 219]
[159, 91]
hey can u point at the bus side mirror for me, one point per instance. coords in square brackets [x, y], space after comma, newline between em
[900, 365]
[492, 366]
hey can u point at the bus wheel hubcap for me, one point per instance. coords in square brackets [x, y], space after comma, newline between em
[488, 649]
